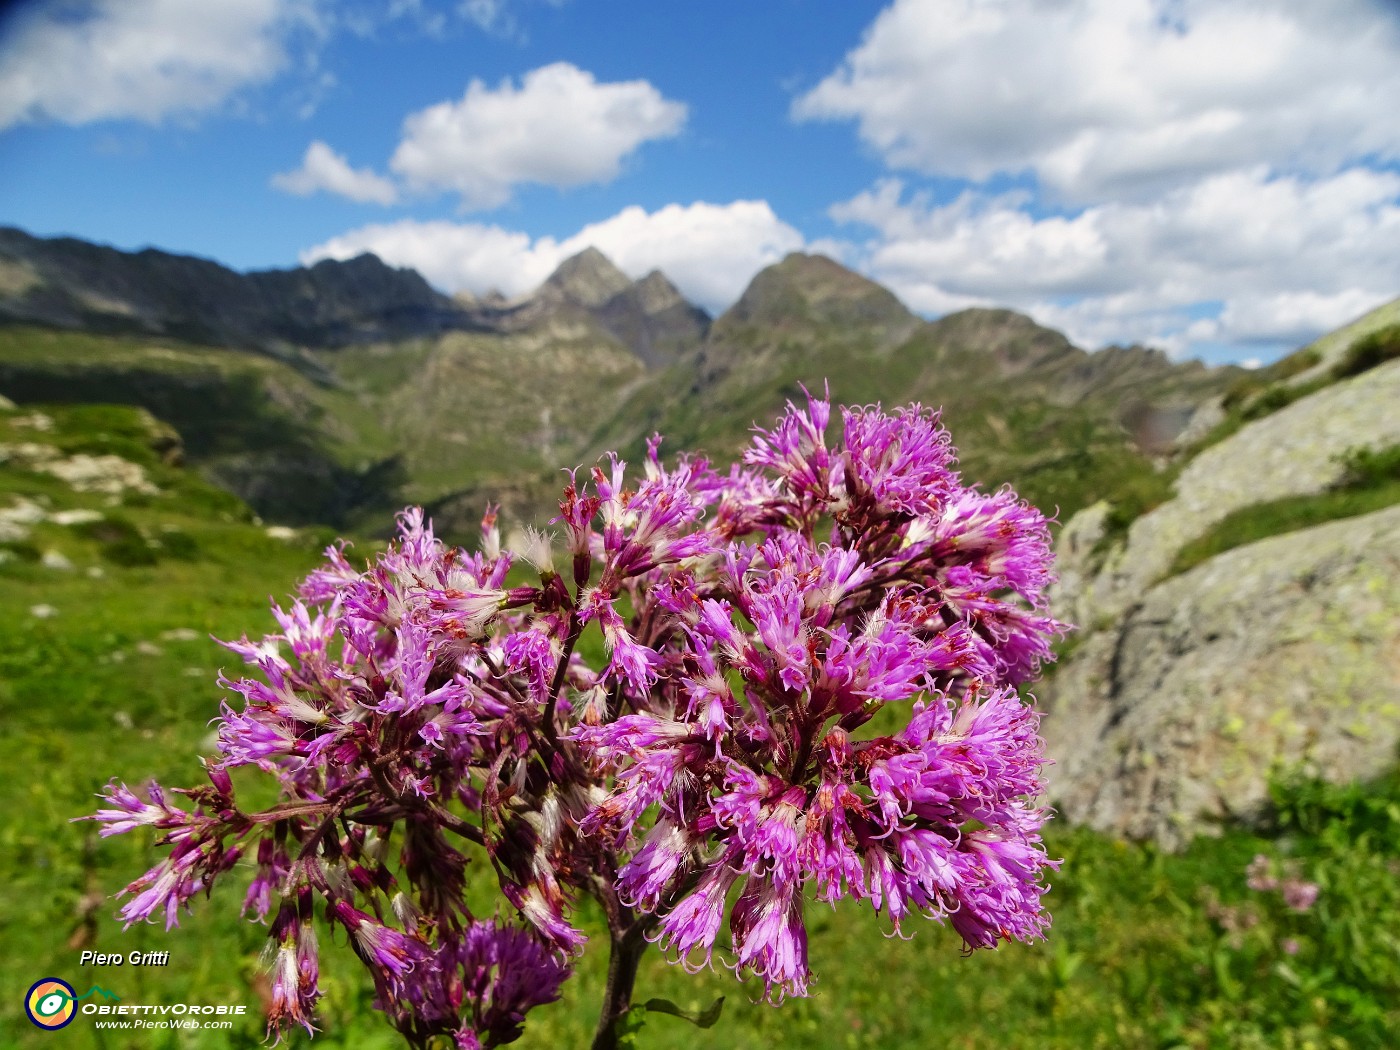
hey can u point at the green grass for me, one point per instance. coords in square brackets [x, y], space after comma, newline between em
[1372, 349]
[1372, 483]
[107, 669]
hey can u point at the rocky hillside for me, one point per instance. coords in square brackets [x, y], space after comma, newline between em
[71, 284]
[67, 283]
[1024, 404]
[1236, 631]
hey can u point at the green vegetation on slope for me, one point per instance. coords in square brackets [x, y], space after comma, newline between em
[1370, 350]
[295, 447]
[346, 437]
[453, 420]
[467, 410]
[1057, 436]
[1372, 482]
[1367, 342]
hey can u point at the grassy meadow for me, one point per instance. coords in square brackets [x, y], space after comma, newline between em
[107, 669]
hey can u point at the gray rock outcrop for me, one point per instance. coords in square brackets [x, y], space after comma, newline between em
[1280, 655]
[1184, 694]
[1295, 451]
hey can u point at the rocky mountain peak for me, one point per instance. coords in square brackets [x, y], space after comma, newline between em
[653, 319]
[816, 289]
[656, 293]
[589, 279]
[1012, 338]
[649, 317]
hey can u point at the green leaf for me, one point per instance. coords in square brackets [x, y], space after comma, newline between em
[628, 1025]
[705, 1019]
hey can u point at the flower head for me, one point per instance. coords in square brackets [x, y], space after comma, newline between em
[808, 685]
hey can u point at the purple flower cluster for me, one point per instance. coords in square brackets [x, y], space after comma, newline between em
[808, 689]
[844, 580]
[1297, 893]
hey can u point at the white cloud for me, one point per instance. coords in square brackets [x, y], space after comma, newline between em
[490, 16]
[976, 245]
[560, 128]
[431, 22]
[142, 59]
[1295, 317]
[710, 251]
[438, 19]
[453, 256]
[1120, 97]
[1285, 257]
[497, 17]
[324, 169]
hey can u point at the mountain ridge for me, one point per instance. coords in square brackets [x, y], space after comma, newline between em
[473, 399]
[67, 283]
[72, 284]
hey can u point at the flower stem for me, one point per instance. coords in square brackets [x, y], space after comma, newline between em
[626, 951]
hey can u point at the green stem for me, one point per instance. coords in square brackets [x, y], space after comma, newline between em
[625, 956]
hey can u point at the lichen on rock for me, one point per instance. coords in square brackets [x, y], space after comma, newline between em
[1185, 694]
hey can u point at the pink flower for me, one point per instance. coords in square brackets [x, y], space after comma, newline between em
[1298, 895]
[430, 715]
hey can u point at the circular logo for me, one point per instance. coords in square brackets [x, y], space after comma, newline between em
[50, 1003]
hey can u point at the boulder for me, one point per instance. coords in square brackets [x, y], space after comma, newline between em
[1278, 656]
[1295, 451]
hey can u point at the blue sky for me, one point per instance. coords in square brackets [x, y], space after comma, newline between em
[1217, 177]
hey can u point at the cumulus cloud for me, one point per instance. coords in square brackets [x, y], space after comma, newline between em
[142, 59]
[323, 169]
[1292, 317]
[560, 127]
[1120, 97]
[1189, 172]
[454, 256]
[1283, 257]
[710, 251]
[974, 246]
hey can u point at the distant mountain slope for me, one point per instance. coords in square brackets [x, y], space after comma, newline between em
[364, 387]
[400, 393]
[487, 412]
[296, 449]
[71, 284]
[1023, 403]
[68, 283]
